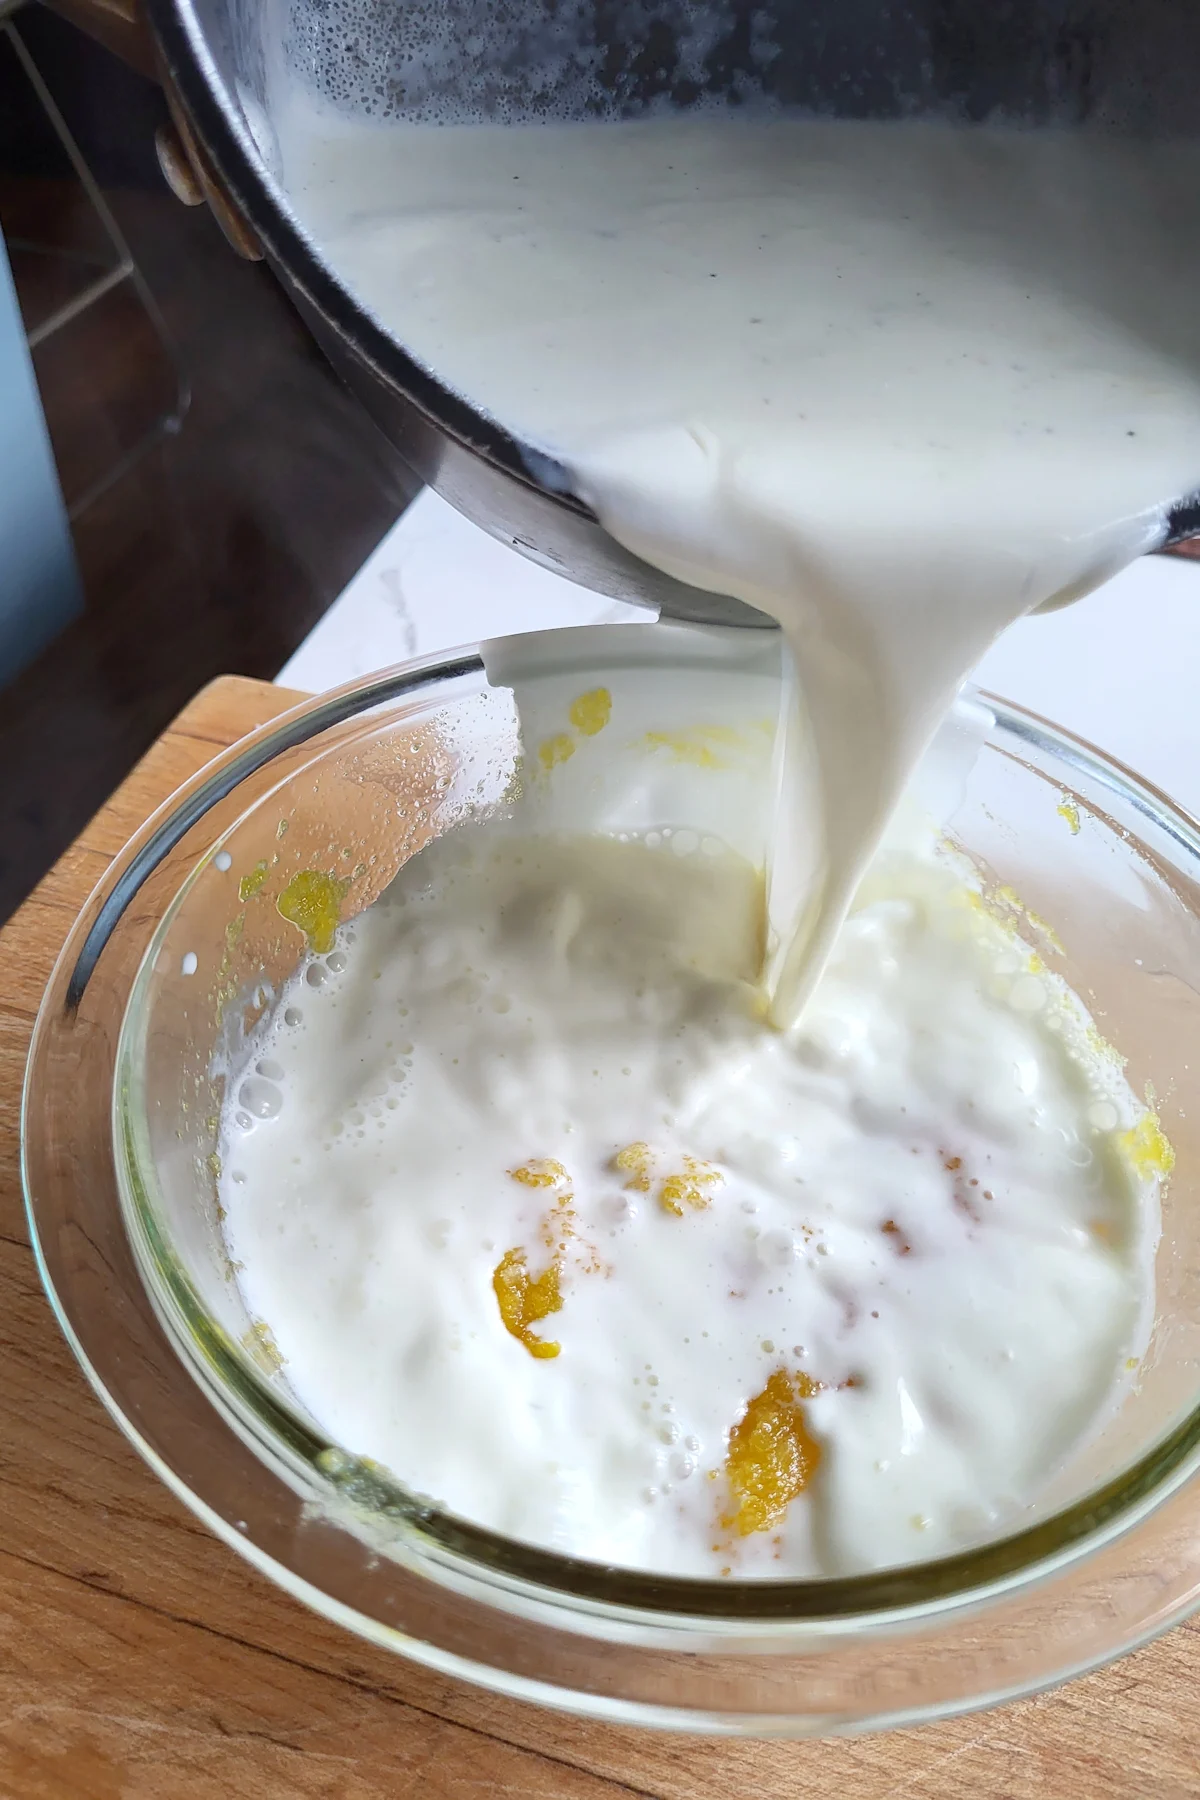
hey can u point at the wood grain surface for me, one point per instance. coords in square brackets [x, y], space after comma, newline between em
[141, 1660]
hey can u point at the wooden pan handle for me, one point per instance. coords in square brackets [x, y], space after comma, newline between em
[120, 27]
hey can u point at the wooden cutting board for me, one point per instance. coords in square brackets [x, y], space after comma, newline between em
[141, 1660]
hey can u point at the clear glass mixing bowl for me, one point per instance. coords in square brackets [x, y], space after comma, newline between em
[182, 942]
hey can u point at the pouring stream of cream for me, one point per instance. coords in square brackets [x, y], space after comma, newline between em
[895, 384]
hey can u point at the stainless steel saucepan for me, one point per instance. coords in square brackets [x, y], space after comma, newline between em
[1129, 64]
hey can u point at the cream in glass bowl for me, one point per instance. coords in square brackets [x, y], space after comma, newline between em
[542, 1344]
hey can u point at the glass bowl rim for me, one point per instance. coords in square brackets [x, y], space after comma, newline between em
[908, 1590]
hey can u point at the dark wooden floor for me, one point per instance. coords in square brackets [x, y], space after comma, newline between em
[227, 540]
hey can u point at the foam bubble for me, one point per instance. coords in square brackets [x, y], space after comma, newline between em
[775, 1248]
[260, 1098]
[444, 62]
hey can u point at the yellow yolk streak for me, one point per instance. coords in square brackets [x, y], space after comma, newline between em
[588, 713]
[703, 747]
[1147, 1147]
[771, 1456]
[689, 1188]
[635, 1161]
[541, 1172]
[524, 1300]
[250, 884]
[591, 712]
[313, 902]
[555, 750]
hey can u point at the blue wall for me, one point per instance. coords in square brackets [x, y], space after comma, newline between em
[39, 583]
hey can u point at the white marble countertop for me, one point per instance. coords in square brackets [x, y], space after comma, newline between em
[1119, 668]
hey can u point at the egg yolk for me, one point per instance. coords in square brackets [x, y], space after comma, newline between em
[771, 1457]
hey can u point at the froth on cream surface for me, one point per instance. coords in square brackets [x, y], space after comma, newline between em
[542, 1214]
